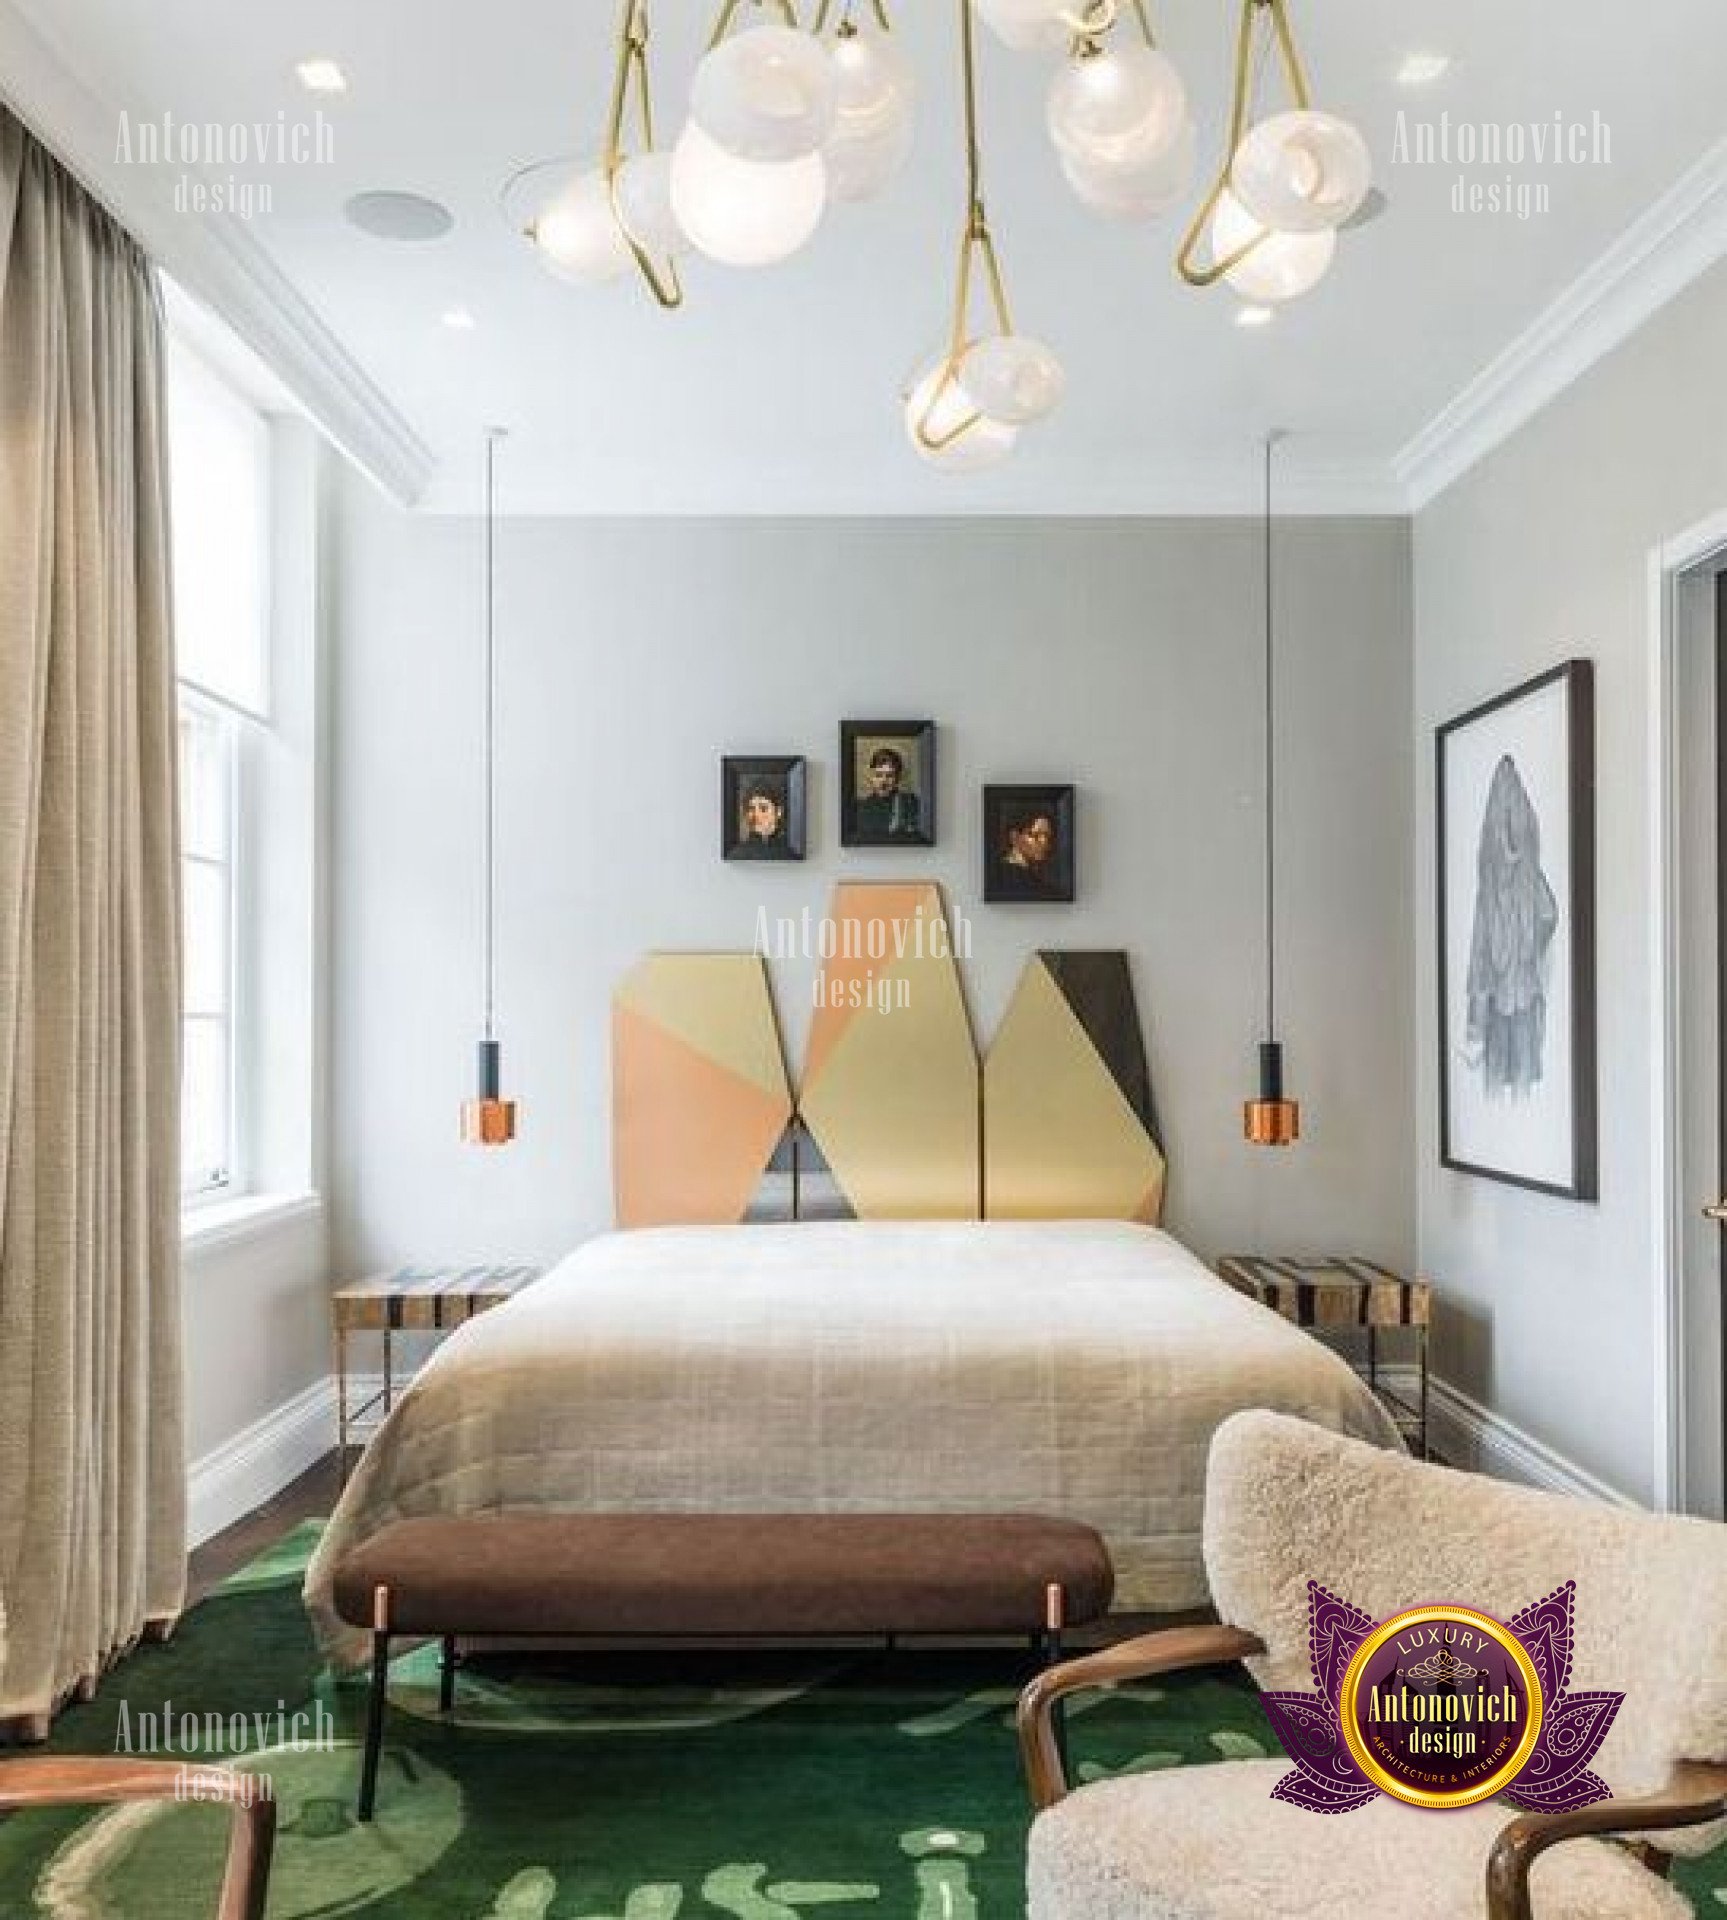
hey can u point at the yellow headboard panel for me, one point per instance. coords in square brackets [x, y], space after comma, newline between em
[895, 1117]
[1069, 1131]
[890, 1085]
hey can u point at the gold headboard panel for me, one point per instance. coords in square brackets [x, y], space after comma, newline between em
[699, 1092]
[895, 1119]
[890, 1084]
[1069, 1129]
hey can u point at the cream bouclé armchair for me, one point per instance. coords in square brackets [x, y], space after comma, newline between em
[1287, 1502]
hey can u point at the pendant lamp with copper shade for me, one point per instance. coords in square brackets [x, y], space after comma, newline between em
[489, 1120]
[1271, 1120]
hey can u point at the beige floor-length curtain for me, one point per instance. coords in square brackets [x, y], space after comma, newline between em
[92, 1468]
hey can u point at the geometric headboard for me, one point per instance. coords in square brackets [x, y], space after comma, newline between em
[895, 1116]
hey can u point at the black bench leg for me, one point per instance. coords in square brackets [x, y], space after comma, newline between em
[447, 1675]
[375, 1707]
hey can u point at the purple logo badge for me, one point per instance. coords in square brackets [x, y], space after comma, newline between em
[1441, 1706]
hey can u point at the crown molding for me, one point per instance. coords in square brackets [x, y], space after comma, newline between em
[1656, 258]
[216, 259]
[1223, 486]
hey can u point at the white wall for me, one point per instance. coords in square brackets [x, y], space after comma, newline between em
[1123, 655]
[1539, 554]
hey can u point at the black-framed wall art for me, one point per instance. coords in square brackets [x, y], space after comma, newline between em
[887, 783]
[762, 807]
[1515, 812]
[1028, 845]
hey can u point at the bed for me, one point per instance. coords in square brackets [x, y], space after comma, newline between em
[1072, 1368]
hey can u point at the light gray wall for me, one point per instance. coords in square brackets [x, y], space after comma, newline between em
[1122, 655]
[1539, 554]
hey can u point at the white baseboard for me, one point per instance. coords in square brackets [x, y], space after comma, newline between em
[259, 1461]
[1463, 1433]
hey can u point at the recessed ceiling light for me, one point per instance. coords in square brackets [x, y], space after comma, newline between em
[1255, 316]
[459, 320]
[1422, 69]
[322, 76]
[399, 216]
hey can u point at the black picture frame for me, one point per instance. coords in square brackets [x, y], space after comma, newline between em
[1009, 877]
[1509, 939]
[781, 778]
[904, 816]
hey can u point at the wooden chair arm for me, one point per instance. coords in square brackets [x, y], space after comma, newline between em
[1170, 1651]
[1694, 1795]
[69, 1780]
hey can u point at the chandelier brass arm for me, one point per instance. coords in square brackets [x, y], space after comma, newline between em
[630, 82]
[976, 242]
[786, 9]
[1240, 106]
[846, 8]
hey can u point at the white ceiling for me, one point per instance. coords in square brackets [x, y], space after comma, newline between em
[777, 390]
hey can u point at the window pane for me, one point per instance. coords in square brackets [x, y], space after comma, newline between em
[219, 450]
[204, 1104]
[205, 788]
[206, 934]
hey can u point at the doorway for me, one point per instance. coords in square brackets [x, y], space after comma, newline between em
[1696, 1050]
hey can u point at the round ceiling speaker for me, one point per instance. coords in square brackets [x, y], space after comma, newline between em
[399, 216]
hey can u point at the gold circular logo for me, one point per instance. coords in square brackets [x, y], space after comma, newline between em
[1441, 1706]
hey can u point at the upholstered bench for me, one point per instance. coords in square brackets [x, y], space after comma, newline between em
[698, 1575]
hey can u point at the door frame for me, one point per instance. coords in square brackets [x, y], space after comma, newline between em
[1700, 549]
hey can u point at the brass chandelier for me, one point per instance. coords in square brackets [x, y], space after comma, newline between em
[786, 118]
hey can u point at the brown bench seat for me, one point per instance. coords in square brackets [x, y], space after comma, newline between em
[712, 1575]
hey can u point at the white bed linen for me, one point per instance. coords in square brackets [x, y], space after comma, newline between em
[1073, 1368]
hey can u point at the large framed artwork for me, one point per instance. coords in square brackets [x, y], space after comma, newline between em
[887, 776]
[1516, 874]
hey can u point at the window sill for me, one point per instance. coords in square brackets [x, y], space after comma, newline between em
[228, 1222]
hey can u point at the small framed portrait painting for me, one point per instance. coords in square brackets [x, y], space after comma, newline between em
[762, 807]
[1028, 845]
[887, 774]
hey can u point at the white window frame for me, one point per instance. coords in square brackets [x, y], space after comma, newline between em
[243, 728]
[203, 1186]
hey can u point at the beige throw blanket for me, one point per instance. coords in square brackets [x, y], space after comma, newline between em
[1070, 1368]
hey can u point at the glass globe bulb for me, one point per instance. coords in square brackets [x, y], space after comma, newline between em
[644, 204]
[873, 84]
[1108, 109]
[1141, 192]
[744, 213]
[1029, 26]
[938, 406]
[1012, 378]
[768, 93]
[860, 166]
[577, 233]
[1281, 267]
[1301, 172]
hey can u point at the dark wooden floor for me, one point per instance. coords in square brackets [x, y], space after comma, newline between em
[312, 1495]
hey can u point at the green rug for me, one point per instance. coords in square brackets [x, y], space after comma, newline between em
[619, 1787]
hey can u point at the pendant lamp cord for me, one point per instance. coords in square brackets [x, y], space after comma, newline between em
[493, 435]
[973, 157]
[1271, 440]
